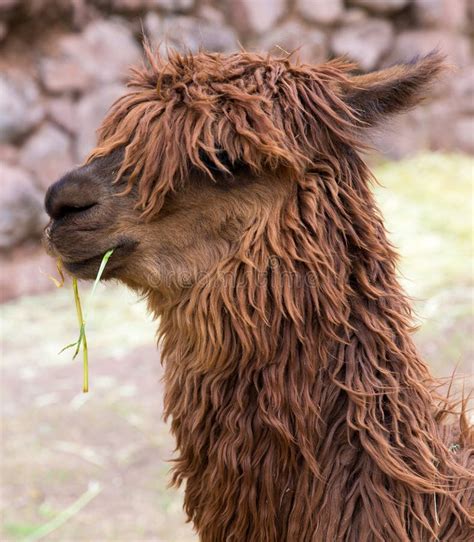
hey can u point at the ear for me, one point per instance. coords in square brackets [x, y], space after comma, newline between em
[393, 90]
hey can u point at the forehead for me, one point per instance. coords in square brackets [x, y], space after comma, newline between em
[256, 110]
[224, 76]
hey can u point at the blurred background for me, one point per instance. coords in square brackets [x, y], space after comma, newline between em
[94, 467]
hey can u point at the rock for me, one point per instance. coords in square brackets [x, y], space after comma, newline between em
[176, 5]
[470, 17]
[365, 42]
[153, 25]
[212, 15]
[25, 271]
[21, 207]
[20, 107]
[462, 90]
[411, 43]
[441, 13]
[109, 51]
[403, 136]
[438, 114]
[8, 5]
[129, 5]
[132, 5]
[103, 53]
[91, 110]
[65, 72]
[9, 154]
[464, 134]
[255, 16]
[321, 11]
[354, 15]
[292, 35]
[381, 6]
[62, 112]
[421, 129]
[190, 33]
[47, 154]
[3, 30]
[140, 5]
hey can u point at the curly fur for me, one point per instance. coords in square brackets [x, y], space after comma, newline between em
[300, 406]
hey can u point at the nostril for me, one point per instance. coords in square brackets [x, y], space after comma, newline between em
[71, 195]
[63, 210]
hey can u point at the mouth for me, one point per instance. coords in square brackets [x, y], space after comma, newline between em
[87, 268]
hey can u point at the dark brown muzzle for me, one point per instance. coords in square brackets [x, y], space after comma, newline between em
[72, 194]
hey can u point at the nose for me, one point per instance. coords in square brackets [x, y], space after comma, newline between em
[72, 194]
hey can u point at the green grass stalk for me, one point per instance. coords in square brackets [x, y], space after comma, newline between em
[81, 320]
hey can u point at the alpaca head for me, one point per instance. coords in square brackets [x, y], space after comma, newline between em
[289, 401]
[204, 147]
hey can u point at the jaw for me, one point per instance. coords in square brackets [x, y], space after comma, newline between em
[81, 255]
[88, 268]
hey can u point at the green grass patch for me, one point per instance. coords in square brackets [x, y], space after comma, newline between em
[427, 203]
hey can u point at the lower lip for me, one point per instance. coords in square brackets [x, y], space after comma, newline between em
[87, 267]
[75, 266]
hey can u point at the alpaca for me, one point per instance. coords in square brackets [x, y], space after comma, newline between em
[233, 191]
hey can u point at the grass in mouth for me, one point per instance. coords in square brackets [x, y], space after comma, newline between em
[82, 316]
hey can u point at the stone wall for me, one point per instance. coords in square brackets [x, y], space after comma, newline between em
[63, 62]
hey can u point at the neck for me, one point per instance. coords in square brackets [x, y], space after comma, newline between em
[295, 393]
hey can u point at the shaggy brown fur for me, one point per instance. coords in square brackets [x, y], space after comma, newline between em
[301, 409]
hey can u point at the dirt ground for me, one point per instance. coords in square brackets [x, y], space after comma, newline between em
[109, 445]
[93, 467]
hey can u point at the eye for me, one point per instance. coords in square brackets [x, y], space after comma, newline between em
[223, 158]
